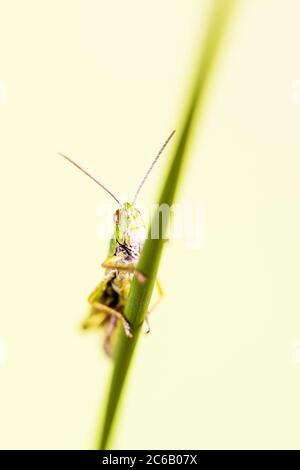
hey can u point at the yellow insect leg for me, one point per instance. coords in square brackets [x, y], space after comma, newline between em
[115, 262]
[156, 303]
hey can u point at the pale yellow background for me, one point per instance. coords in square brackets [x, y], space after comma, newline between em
[104, 82]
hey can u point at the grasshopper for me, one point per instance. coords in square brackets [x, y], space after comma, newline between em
[107, 302]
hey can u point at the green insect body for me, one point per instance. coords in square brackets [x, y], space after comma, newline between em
[107, 302]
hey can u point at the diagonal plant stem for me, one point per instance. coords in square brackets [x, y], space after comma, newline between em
[140, 294]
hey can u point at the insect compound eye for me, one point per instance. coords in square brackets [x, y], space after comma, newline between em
[117, 217]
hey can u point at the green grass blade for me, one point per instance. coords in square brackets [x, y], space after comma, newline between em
[140, 294]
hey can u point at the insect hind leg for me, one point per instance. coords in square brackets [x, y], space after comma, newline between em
[107, 346]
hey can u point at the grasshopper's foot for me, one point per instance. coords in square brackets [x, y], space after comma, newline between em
[160, 296]
[140, 277]
[127, 328]
[148, 329]
[108, 348]
[107, 344]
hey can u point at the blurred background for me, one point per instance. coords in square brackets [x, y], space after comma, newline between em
[105, 83]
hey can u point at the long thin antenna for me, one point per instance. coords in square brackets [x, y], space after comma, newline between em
[90, 176]
[152, 165]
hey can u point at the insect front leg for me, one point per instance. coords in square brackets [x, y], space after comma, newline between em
[102, 308]
[115, 262]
